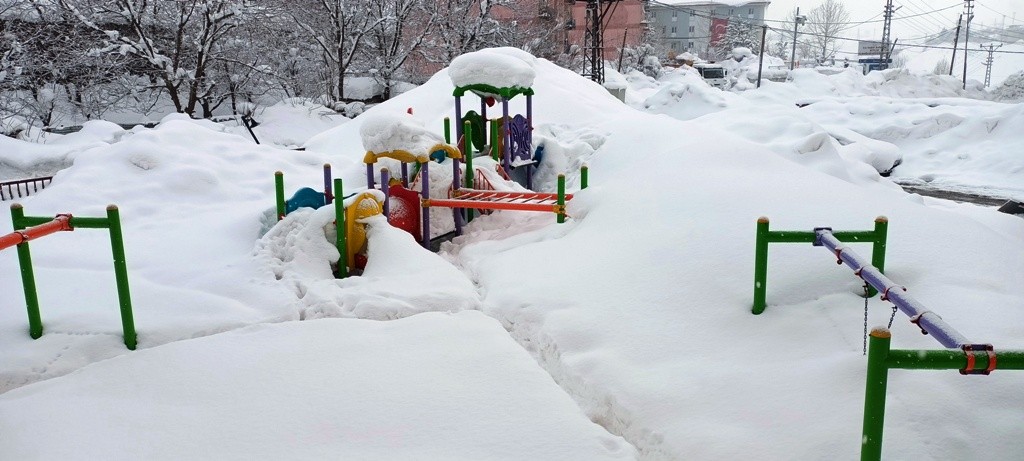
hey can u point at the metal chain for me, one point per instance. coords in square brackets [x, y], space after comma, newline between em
[893, 316]
[865, 350]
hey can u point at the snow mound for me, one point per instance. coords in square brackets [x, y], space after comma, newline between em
[433, 386]
[684, 95]
[386, 132]
[1012, 89]
[497, 67]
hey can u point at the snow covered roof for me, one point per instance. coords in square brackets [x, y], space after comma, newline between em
[402, 137]
[498, 71]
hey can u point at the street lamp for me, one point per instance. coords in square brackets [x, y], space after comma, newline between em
[798, 20]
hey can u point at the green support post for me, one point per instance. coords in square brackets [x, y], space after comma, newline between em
[121, 274]
[760, 265]
[878, 248]
[494, 140]
[874, 395]
[561, 198]
[584, 177]
[279, 194]
[468, 154]
[339, 223]
[28, 278]
[468, 129]
[447, 130]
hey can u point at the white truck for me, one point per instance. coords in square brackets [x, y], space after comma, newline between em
[714, 74]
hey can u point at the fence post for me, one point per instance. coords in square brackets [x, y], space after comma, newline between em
[339, 223]
[121, 275]
[878, 248]
[760, 265]
[874, 394]
[279, 194]
[28, 278]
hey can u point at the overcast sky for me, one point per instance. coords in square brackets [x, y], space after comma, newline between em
[986, 12]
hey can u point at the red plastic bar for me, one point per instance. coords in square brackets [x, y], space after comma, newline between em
[60, 223]
[498, 194]
[484, 205]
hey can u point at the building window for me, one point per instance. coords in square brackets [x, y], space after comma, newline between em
[674, 13]
[673, 29]
[691, 29]
[750, 11]
[730, 11]
[674, 45]
[691, 45]
[663, 30]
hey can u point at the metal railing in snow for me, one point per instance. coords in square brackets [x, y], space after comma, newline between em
[10, 190]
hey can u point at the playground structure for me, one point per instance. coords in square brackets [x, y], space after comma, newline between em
[415, 208]
[511, 137]
[967, 357]
[348, 215]
[28, 228]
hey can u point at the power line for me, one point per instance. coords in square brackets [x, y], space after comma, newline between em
[805, 33]
[999, 12]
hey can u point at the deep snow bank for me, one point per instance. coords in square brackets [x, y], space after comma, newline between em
[429, 387]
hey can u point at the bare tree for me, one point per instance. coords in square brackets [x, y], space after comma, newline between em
[462, 26]
[401, 28]
[824, 23]
[179, 39]
[339, 29]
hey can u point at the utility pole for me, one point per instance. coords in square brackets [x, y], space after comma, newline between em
[797, 21]
[988, 62]
[969, 12]
[956, 40]
[593, 43]
[593, 38]
[760, 56]
[884, 54]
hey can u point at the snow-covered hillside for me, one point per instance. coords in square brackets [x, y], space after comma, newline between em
[635, 314]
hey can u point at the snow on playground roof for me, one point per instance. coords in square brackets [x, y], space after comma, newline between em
[389, 132]
[497, 67]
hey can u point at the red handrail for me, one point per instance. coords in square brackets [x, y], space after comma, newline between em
[60, 223]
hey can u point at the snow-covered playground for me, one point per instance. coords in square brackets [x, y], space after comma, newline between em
[625, 332]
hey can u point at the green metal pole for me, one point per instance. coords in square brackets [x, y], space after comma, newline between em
[279, 194]
[878, 248]
[561, 198]
[447, 130]
[760, 265]
[584, 176]
[339, 222]
[468, 130]
[28, 278]
[952, 359]
[121, 274]
[494, 139]
[874, 395]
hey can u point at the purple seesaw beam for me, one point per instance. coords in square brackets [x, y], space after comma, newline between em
[929, 321]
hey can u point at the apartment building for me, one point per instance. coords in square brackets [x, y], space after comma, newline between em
[696, 26]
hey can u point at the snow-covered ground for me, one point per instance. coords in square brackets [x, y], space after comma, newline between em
[635, 313]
